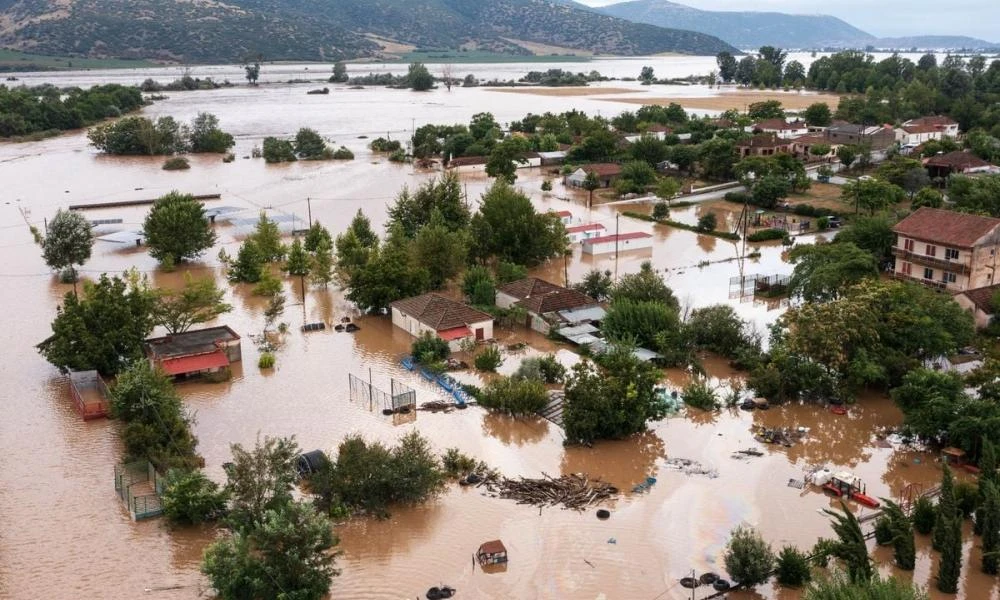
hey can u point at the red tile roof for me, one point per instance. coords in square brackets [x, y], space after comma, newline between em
[492, 547]
[920, 128]
[193, 364]
[938, 121]
[621, 237]
[958, 160]
[464, 161]
[541, 297]
[982, 297]
[440, 313]
[564, 213]
[779, 125]
[946, 227]
[603, 169]
[582, 228]
[763, 140]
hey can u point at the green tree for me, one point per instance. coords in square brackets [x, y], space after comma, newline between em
[904, 550]
[414, 210]
[746, 70]
[339, 73]
[768, 109]
[479, 287]
[287, 555]
[850, 545]
[309, 145]
[769, 189]
[707, 222]
[67, 242]
[640, 321]
[418, 78]
[990, 527]
[516, 397]
[873, 195]
[249, 264]
[260, 480]
[275, 150]
[138, 136]
[317, 235]
[793, 567]
[390, 274]
[505, 157]
[508, 228]
[947, 510]
[795, 74]
[824, 271]
[321, 268]
[667, 188]
[596, 283]
[719, 329]
[190, 498]
[205, 135]
[727, 66]
[103, 329]
[847, 155]
[252, 72]
[176, 229]
[441, 250]
[950, 567]
[645, 286]
[298, 262]
[267, 235]
[646, 75]
[924, 515]
[818, 114]
[591, 183]
[429, 349]
[839, 587]
[987, 474]
[649, 149]
[872, 234]
[274, 309]
[199, 301]
[748, 558]
[928, 197]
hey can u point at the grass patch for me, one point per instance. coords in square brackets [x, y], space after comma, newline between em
[12, 60]
[719, 234]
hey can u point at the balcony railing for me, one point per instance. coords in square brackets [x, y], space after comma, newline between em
[939, 285]
[931, 261]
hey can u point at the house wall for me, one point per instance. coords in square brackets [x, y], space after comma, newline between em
[409, 324]
[486, 326]
[233, 350]
[605, 247]
[981, 318]
[980, 262]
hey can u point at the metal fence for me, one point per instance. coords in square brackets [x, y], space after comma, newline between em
[139, 486]
[402, 398]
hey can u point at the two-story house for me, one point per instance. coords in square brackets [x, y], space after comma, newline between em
[946, 249]
[946, 125]
[781, 128]
[876, 137]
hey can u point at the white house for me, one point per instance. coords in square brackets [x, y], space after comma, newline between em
[781, 128]
[449, 320]
[565, 216]
[945, 125]
[913, 135]
[543, 301]
[622, 242]
[578, 233]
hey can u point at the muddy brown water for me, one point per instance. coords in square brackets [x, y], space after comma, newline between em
[64, 534]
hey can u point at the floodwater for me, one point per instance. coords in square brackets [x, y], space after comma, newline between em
[64, 533]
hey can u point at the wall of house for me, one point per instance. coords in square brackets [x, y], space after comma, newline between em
[605, 247]
[984, 263]
[409, 324]
[486, 326]
[982, 319]
[918, 270]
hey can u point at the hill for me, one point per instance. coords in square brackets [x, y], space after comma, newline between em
[935, 42]
[233, 30]
[746, 29]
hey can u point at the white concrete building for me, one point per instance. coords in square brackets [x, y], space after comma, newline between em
[622, 242]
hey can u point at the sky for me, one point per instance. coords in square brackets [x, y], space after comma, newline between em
[886, 18]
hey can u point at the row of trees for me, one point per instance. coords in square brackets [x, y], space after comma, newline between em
[24, 111]
[307, 145]
[143, 136]
[767, 68]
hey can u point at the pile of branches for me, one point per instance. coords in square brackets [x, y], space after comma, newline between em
[575, 491]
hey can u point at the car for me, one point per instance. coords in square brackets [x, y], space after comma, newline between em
[833, 222]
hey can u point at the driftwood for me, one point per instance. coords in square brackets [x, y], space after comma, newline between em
[575, 491]
[437, 406]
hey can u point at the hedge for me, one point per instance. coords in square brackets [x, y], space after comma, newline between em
[719, 234]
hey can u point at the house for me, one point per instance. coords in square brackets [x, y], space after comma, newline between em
[621, 242]
[543, 301]
[958, 162]
[914, 135]
[802, 146]
[876, 137]
[578, 233]
[547, 159]
[763, 144]
[945, 125]
[946, 249]
[979, 301]
[448, 319]
[194, 353]
[606, 174]
[781, 128]
[491, 553]
[565, 216]
[468, 164]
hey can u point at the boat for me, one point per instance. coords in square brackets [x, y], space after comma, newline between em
[407, 362]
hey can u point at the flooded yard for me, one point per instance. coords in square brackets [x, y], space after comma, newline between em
[65, 534]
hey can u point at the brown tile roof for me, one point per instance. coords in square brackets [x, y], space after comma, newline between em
[917, 128]
[812, 138]
[779, 125]
[440, 313]
[946, 227]
[461, 161]
[763, 140]
[603, 169]
[983, 297]
[541, 297]
[933, 120]
[957, 160]
[492, 547]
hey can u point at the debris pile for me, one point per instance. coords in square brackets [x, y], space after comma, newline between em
[691, 467]
[785, 436]
[747, 453]
[437, 406]
[575, 491]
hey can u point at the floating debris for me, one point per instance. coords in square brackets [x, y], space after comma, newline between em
[796, 483]
[576, 491]
[747, 453]
[645, 485]
[785, 436]
[691, 467]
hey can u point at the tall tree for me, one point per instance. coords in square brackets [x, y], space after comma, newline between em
[316, 235]
[321, 269]
[204, 135]
[850, 546]
[824, 271]
[508, 228]
[267, 235]
[67, 242]
[990, 527]
[987, 475]
[260, 479]
[442, 251]
[199, 301]
[390, 274]
[904, 550]
[950, 567]
[946, 510]
[727, 66]
[505, 157]
[413, 210]
[645, 286]
[749, 559]
[818, 114]
[591, 183]
[248, 267]
[298, 260]
[177, 230]
[419, 78]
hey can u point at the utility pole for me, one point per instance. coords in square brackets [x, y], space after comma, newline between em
[617, 215]
[566, 267]
[309, 207]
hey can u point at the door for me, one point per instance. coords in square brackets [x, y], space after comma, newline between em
[479, 334]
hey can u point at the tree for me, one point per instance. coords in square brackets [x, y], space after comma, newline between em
[252, 72]
[640, 322]
[746, 70]
[190, 498]
[872, 234]
[515, 397]
[767, 109]
[441, 250]
[818, 114]
[824, 271]
[644, 286]
[138, 136]
[987, 474]
[339, 73]
[389, 274]
[928, 197]
[317, 235]
[429, 349]
[414, 210]
[199, 301]
[67, 242]
[793, 567]
[177, 230]
[947, 509]
[990, 526]
[749, 559]
[479, 287]
[298, 262]
[904, 550]
[505, 157]
[850, 546]
[309, 145]
[795, 74]
[646, 75]
[274, 309]
[719, 329]
[321, 266]
[649, 149]
[287, 555]
[873, 195]
[591, 183]
[267, 235]
[839, 587]
[204, 135]
[707, 222]
[727, 66]
[260, 479]
[667, 188]
[769, 189]
[249, 264]
[418, 78]
[846, 155]
[508, 228]
[950, 567]
[275, 150]
[596, 284]
[104, 329]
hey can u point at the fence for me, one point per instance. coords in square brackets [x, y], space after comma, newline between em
[139, 486]
[90, 394]
[402, 398]
[748, 287]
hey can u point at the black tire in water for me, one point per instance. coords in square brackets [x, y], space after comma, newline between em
[603, 514]
[689, 582]
[708, 578]
[721, 585]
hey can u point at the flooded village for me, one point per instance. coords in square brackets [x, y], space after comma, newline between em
[769, 450]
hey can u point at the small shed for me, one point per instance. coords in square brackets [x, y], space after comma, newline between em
[622, 242]
[492, 553]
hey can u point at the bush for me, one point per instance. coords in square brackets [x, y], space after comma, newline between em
[708, 222]
[516, 397]
[190, 498]
[765, 235]
[266, 361]
[382, 144]
[545, 369]
[749, 559]
[966, 497]
[278, 150]
[699, 395]
[883, 531]
[268, 286]
[822, 223]
[343, 153]
[738, 197]
[177, 163]
[822, 550]
[793, 567]
[398, 156]
[661, 211]
[456, 464]
[547, 185]
[489, 359]
[428, 349]
[924, 515]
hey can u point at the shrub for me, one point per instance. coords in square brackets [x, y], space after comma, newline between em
[457, 464]
[269, 285]
[822, 223]
[966, 497]
[177, 163]
[661, 211]
[191, 498]
[429, 348]
[699, 395]
[765, 235]
[545, 369]
[924, 515]
[708, 222]
[343, 153]
[547, 185]
[382, 144]
[278, 150]
[793, 567]
[883, 531]
[738, 197]
[489, 359]
[398, 156]
[515, 397]
[749, 559]
[266, 361]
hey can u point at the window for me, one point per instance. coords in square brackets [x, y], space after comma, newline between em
[931, 250]
[928, 273]
[906, 268]
[948, 278]
[951, 253]
[908, 245]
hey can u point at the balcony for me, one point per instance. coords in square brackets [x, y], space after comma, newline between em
[930, 261]
[938, 285]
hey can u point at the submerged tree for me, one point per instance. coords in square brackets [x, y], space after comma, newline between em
[749, 559]
[850, 546]
[987, 475]
[199, 301]
[67, 242]
[990, 528]
[177, 230]
[904, 550]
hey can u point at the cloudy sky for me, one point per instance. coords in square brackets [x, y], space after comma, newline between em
[977, 18]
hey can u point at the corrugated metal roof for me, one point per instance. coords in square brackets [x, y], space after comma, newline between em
[196, 363]
[124, 237]
[577, 330]
[586, 313]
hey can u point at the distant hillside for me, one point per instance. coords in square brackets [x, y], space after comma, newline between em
[232, 30]
[935, 42]
[745, 29]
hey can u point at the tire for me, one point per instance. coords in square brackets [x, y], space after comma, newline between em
[603, 514]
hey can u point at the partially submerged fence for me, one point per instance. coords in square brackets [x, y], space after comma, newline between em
[139, 486]
[402, 398]
[90, 394]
